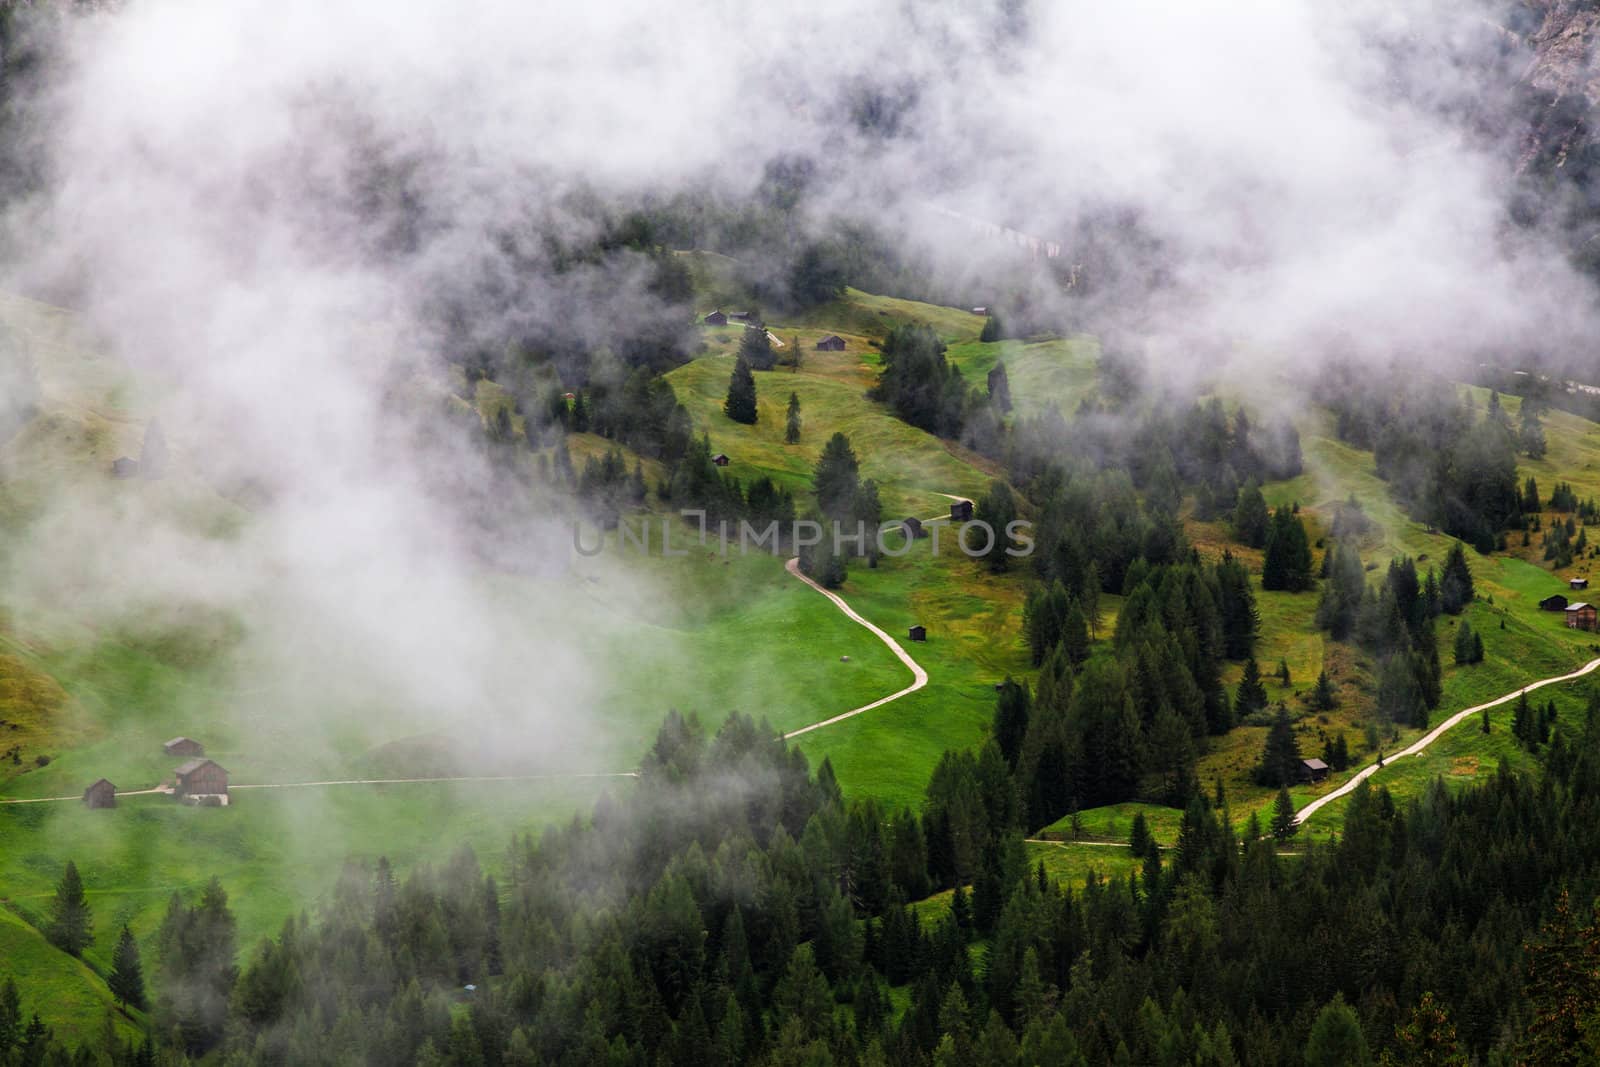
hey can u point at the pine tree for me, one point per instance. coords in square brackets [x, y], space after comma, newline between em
[755, 348]
[1284, 678]
[741, 403]
[1252, 695]
[1530, 495]
[1280, 756]
[126, 980]
[71, 924]
[791, 430]
[1455, 585]
[1140, 841]
[1287, 562]
[1283, 824]
[836, 479]
[1323, 697]
[1336, 1039]
[992, 330]
[1530, 436]
[1251, 519]
[999, 388]
[1464, 646]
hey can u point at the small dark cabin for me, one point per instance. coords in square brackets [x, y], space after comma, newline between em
[201, 778]
[1579, 583]
[183, 746]
[913, 529]
[919, 633]
[1553, 602]
[123, 467]
[720, 459]
[717, 318]
[100, 795]
[1313, 770]
[961, 511]
[831, 343]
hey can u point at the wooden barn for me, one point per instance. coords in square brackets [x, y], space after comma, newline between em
[961, 511]
[913, 529]
[1313, 770]
[721, 459]
[1580, 616]
[1553, 602]
[100, 795]
[919, 633]
[201, 778]
[123, 467]
[183, 746]
[831, 343]
[717, 318]
[1579, 583]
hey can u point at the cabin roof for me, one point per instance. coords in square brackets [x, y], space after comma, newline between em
[195, 764]
[1314, 764]
[1577, 605]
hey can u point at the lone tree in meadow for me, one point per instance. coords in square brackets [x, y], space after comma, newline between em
[71, 925]
[126, 980]
[1280, 756]
[741, 403]
[1323, 697]
[1252, 696]
[993, 329]
[791, 429]
[837, 478]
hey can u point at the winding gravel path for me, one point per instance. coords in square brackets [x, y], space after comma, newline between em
[918, 675]
[1433, 735]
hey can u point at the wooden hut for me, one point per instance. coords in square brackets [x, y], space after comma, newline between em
[1553, 602]
[717, 318]
[199, 779]
[961, 511]
[123, 467]
[100, 795]
[919, 633]
[831, 343]
[1580, 616]
[1579, 583]
[1313, 770]
[183, 746]
[721, 459]
[913, 528]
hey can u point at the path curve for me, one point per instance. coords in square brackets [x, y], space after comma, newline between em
[1433, 735]
[918, 675]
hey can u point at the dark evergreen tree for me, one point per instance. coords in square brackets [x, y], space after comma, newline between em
[1251, 520]
[1323, 697]
[1252, 694]
[71, 924]
[1287, 563]
[126, 980]
[836, 479]
[998, 509]
[1280, 756]
[1455, 584]
[999, 387]
[755, 348]
[791, 428]
[1011, 719]
[740, 405]
[1283, 824]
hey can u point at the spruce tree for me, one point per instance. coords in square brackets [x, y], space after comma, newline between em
[999, 388]
[1464, 646]
[1252, 695]
[741, 403]
[71, 924]
[1280, 756]
[993, 329]
[791, 429]
[1284, 678]
[755, 348]
[1283, 824]
[126, 980]
[1323, 697]
[836, 479]
[1455, 584]
[1336, 1039]
[1287, 563]
[1251, 519]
